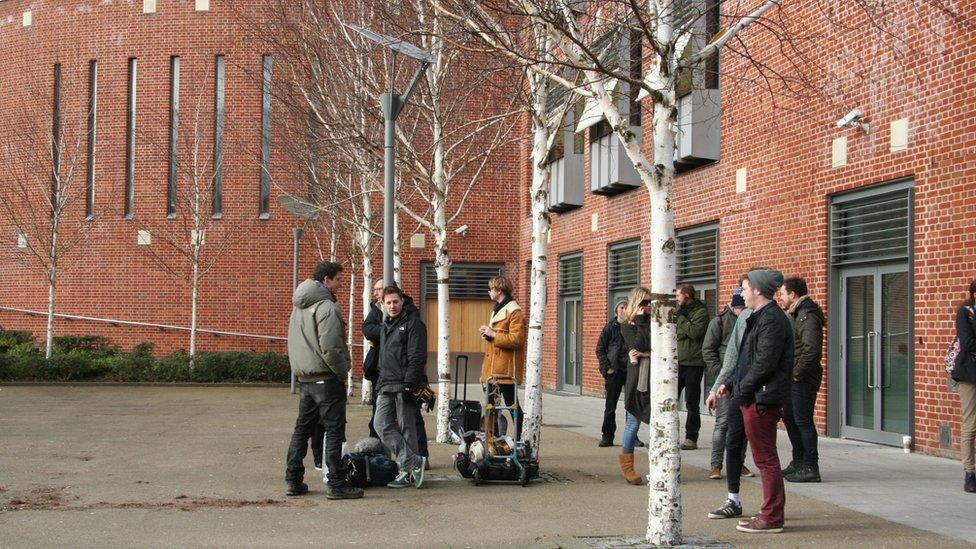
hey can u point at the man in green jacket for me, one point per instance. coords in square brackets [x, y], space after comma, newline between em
[692, 321]
[320, 359]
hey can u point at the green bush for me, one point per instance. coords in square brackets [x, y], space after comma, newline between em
[80, 358]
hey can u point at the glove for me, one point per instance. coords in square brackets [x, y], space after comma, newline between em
[427, 398]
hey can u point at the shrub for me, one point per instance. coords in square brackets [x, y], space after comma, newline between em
[93, 345]
[10, 339]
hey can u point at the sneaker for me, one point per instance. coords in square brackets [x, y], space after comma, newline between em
[804, 473]
[715, 473]
[745, 521]
[318, 465]
[402, 480]
[729, 509]
[689, 444]
[296, 489]
[791, 467]
[605, 442]
[759, 526]
[343, 492]
[417, 474]
[746, 472]
[638, 443]
[969, 484]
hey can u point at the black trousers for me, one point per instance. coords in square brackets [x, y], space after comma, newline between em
[421, 429]
[614, 385]
[798, 418]
[319, 404]
[507, 391]
[690, 381]
[318, 437]
[735, 439]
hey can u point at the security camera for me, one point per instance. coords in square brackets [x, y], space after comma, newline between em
[462, 230]
[853, 120]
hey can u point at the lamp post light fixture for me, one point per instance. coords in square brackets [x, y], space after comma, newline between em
[392, 105]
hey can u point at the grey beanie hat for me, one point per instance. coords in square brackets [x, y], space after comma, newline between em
[767, 281]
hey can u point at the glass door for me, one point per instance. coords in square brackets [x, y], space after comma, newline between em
[571, 335]
[876, 354]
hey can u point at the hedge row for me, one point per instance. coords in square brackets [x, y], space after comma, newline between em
[93, 358]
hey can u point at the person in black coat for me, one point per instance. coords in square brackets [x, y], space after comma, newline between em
[402, 363]
[372, 327]
[964, 372]
[613, 356]
[762, 385]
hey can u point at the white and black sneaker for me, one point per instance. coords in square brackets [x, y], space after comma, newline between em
[729, 509]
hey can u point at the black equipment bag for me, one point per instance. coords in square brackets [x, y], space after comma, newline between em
[463, 415]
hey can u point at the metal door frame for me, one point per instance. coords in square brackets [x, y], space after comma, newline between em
[875, 435]
[561, 384]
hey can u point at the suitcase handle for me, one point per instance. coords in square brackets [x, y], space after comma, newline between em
[457, 367]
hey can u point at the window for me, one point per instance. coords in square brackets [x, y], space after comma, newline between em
[265, 181]
[623, 272]
[56, 140]
[130, 142]
[699, 98]
[871, 228]
[218, 153]
[698, 260]
[174, 134]
[92, 121]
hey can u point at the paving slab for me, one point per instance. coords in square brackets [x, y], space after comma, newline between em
[157, 466]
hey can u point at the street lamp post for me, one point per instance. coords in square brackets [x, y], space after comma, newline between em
[309, 213]
[392, 105]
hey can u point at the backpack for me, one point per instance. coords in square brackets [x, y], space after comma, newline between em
[953, 353]
[364, 470]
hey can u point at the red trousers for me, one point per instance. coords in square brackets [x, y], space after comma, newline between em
[760, 427]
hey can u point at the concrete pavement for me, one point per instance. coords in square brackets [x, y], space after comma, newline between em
[158, 466]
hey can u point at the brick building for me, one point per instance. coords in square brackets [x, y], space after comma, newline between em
[878, 222]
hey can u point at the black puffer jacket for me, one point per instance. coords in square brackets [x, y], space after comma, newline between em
[637, 336]
[611, 350]
[403, 351]
[372, 328]
[808, 328]
[765, 362]
[965, 367]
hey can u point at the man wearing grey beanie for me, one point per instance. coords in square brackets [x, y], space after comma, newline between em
[761, 384]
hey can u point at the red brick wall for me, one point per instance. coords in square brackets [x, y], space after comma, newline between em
[781, 221]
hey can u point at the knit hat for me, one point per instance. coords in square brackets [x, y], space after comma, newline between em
[767, 281]
[737, 300]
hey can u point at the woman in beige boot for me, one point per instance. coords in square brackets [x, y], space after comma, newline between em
[636, 333]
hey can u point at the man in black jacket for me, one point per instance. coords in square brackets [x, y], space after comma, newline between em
[612, 354]
[761, 385]
[808, 326]
[402, 357]
[372, 328]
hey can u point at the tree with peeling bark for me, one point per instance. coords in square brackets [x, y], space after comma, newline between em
[197, 230]
[44, 170]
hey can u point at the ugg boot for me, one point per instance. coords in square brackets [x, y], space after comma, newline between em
[627, 466]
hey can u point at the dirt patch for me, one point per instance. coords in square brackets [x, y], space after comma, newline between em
[49, 498]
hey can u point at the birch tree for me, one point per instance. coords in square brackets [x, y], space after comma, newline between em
[44, 173]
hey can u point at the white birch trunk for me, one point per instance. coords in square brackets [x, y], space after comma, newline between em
[194, 296]
[49, 339]
[349, 329]
[367, 393]
[532, 426]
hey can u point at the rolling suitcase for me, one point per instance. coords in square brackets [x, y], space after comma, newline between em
[463, 415]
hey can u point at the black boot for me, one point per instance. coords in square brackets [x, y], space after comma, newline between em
[604, 442]
[638, 443]
[791, 468]
[804, 473]
[970, 484]
[297, 489]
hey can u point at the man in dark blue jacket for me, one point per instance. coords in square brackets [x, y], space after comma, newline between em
[762, 385]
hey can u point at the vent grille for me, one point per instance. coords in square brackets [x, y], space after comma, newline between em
[468, 280]
[571, 275]
[874, 229]
[623, 266]
[698, 255]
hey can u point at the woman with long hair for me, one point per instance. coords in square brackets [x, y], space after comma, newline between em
[636, 331]
[964, 371]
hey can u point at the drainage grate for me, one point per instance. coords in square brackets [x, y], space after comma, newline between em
[945, 436]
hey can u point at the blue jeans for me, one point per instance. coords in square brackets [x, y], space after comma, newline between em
[631, 428]
[720, 432]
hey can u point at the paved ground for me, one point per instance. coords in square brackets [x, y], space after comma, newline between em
[203, 466]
